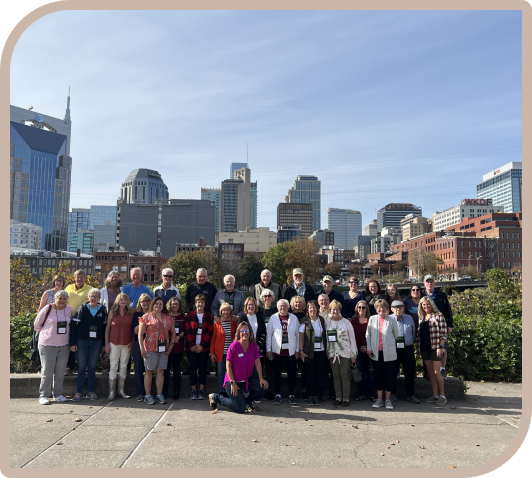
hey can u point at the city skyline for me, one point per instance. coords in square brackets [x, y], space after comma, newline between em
[416, 100]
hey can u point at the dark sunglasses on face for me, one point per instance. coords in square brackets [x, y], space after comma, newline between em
[416, 290]
[353, 282]
[361, 307]
[167, 276]
[244, 330]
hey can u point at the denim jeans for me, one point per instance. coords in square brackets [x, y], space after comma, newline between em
[238, 404]
[221, 368]
[367, 384]
[88, 352]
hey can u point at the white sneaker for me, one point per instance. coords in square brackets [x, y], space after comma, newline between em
[44, 401]
[389, 405]
[61, 398]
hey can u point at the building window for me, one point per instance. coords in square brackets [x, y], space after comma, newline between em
[145, 277]
[502, 244]
[513, 235]
[152, 278]
[503, 254]
[513, 245]
[503, 264]
[518, 235]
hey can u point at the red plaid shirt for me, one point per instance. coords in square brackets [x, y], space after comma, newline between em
[191, 329]
[437, 328]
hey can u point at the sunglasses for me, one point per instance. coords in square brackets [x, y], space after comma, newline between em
[167, 276]
[353, 282]
[362, 307]
[244, 330]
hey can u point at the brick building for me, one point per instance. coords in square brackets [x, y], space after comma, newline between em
[112, 261]
[150, 264]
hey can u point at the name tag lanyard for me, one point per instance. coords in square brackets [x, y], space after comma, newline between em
[61, 325]
[332, 334]
[318, 340]
[161, 340]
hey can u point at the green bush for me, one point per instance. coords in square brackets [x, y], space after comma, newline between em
[21, 328]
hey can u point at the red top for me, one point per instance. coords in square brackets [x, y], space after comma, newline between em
[121, 329]
[179, 323]
[284, 325]
[156, 330]
[381, 323]
[360, 332]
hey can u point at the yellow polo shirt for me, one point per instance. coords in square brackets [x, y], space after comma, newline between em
[77, 297]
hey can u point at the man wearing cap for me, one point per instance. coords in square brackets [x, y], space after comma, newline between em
[442, 302]
[266, 283]
[405, 350]
[299, 287]
[328, 289]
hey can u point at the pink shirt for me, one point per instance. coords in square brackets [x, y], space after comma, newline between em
[242, 362]
[48, 329]
[381, 323]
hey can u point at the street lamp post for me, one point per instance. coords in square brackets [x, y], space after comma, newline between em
[477, 262]
[470, 255]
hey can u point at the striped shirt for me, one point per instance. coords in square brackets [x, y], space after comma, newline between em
[226, 324]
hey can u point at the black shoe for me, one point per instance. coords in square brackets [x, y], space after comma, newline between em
[304, 395]
[176, 396]
[269, 395]
[201, 395]
[292, 400]
[277, 400]
[317, 401]
[324, 397]
[140, 398]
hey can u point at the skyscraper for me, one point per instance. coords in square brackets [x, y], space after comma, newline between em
[40, 170]
[214, 195]
[391, 214]
[234, 167]
[504, 186]
[78, 219]
[371, 228]
[289, 214]
[346, 224]
[144, 186]
[235, 202]
[307, 189]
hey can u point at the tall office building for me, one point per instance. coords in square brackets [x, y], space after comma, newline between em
[346, 224]
[234, 167]
[253, 204]
[78, 219]
[24, 235]
[371, 228]
[40, 171]
[289, 214]
[214, 195]
[235, 202]
[307, 189]
[144, 186]
[100, 215]
[504, 186]
[392, 214]
[83, 239]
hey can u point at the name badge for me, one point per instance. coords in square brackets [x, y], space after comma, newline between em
[176, 328]
[240, 355]
[266, 320]
[285, 343]
[162, 346]
[200, 329]
[93, 330]
[317, 342]
[332, 335]
[61, 327]
[400, 342]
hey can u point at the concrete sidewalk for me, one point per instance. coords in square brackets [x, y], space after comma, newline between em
[126, 433]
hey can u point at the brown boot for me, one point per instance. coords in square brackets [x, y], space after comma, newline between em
[112, 388]
[121, 386]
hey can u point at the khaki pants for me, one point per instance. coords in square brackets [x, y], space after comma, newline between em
[118, 353]
[53, 365]
[342, 383]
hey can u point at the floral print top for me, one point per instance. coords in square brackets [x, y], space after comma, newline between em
[156, 330]
[346, 345]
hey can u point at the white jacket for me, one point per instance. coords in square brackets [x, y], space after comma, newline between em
[274, 334]
[104, 298]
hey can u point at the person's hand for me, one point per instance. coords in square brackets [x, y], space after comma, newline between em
[108, 349]
[264, 383]
[213, 358]
[449, 330]
[268, 355]
[130, 346]
[143, 352]
[234, 389]
[363, 349]
[199, 348]
[297, 355]
[369, 352]
[302, 356]
[177, 337]
[74, 348]
[103, 349]
[439, 353]
[353, 360]
[234, 318]
[217, 320]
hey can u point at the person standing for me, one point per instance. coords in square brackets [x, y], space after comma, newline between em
[405, 351]
[234, 297]
[155, 348]
[328, 289]
[53, 323]
[312, 351]
[222, 338]
[341, 349]
[412, 303]
[381, 335]
[78, 294]
[118, 343]
[373, 294]
[112, 287]
[298, 287]
[87, 333]
[282, 346]
[143, 307]
[136, 289]
[201, 286]
[175, 310]
[199, 327]
[352, 296]
[392, 294]
[267, 310]
[266, 283]
[167, 290]
[442, 303]
[328, 378]
[58, 282]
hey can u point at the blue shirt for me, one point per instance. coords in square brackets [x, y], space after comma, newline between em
[93, 310]
[166, 295]
[407, 328]
[134, 293]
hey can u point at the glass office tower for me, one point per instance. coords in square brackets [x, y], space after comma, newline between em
[307, 189]
[504, 186]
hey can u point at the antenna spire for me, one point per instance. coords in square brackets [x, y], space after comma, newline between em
[247, 154]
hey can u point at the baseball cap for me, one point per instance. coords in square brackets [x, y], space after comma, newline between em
[297, 271]
[329, 278]
[427, 277]
[397, 303]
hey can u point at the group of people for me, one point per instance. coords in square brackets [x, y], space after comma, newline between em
[252, 340]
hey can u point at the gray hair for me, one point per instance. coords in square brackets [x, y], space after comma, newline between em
[107, 282]
[61, 293]
[135, 269]
[264, 271]
[324, 295]
[167, 270]
[229, 275]
[201, 269]
[266, 292]
[94, 291]
[283, 301]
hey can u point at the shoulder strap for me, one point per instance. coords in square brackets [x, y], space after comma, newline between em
[48, 311]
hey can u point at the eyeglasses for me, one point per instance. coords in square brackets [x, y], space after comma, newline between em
[244, 330]
[264, 296]
[167, 276]
[353, 282]
[361, 307]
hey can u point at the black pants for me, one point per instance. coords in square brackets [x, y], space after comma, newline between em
[383, 373]
[174, 362]
[303, 370]
[406, 358]
[71, 364]
[315, 370]
[198, 360]
[139, 368]
[268, 366]
[288, 362]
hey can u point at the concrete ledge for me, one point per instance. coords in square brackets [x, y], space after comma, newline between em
[27, 386]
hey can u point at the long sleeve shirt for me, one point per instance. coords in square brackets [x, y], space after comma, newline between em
[346, 344]
[407, 328]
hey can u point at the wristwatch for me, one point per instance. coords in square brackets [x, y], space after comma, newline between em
[171, 343]
[231, 382]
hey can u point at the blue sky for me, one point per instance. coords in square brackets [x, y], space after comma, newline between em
[383, 107]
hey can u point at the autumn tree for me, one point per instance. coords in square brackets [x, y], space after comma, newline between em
[274, 261]
[423, 263]
[186, 263]
[302, 253]
[250, 269]
[354, 269]
[333, 269]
